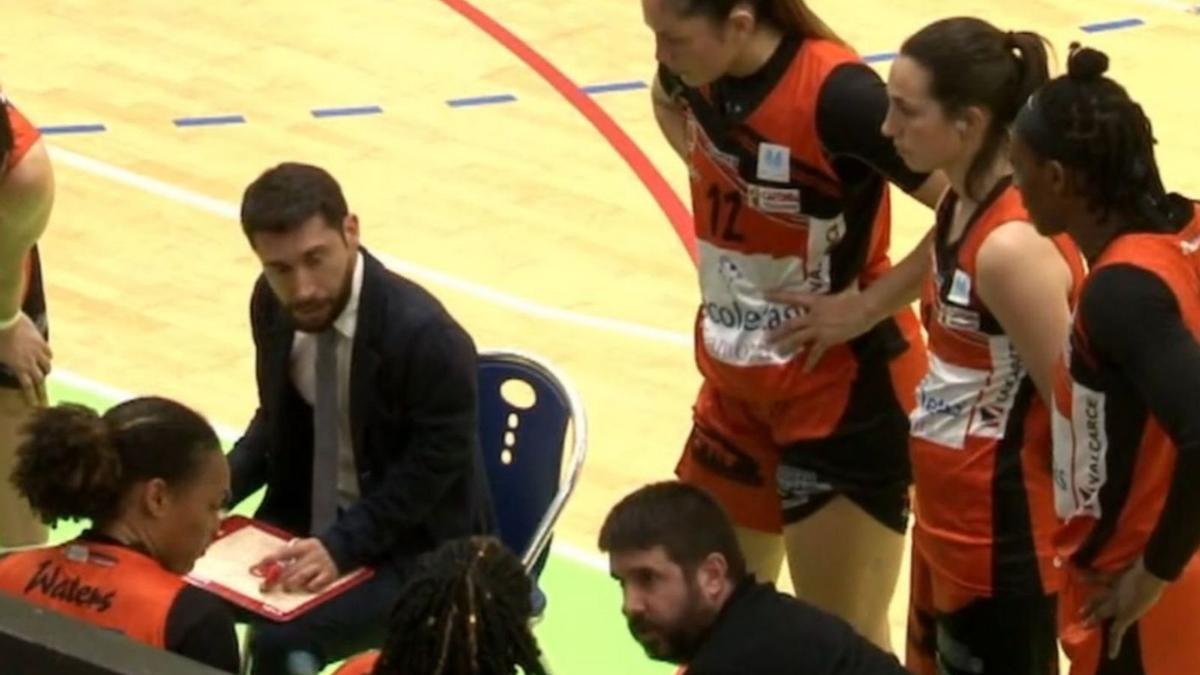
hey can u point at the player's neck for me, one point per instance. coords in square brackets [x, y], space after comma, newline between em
[757, 52]
[973, 189]
[1092, 235]
[122, 532]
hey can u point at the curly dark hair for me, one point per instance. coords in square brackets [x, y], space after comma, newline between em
[75, 463]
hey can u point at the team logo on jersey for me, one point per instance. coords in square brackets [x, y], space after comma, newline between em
[1001, 393]
[1081, 454]
[736, 319]
[774, 163]
[959, 318]
[960, 288]
[773, 200]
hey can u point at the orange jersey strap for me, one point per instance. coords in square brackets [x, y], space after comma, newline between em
[25, 135]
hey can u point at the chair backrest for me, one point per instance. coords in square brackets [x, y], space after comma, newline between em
[530, 466]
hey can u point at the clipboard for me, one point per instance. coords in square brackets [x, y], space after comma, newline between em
[228, 569]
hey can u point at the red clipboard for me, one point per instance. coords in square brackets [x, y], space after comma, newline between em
[227, 569]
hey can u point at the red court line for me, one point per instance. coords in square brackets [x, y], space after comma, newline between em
[629, 151]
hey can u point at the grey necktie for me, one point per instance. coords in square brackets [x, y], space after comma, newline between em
[325, 434]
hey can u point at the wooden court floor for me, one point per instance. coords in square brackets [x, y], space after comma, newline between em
[544, 222]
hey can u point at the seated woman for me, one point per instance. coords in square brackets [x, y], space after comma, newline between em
[151, 477]
[466, 611]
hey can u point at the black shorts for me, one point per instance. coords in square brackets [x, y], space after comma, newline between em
[732, 452]
[869, 466]
[1005, 635]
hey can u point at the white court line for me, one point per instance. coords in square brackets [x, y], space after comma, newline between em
[226, 433]
[229, 435]
[229, 210]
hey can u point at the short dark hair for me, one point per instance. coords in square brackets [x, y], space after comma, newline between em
[973, 63]
[286, 196]
[7, 138]
[683, 519]
[75, 463]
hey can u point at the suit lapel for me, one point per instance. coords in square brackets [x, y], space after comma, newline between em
[278, 359]
[365, 359]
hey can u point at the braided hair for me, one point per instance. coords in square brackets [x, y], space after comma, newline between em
[1088, 122]
[465, 611]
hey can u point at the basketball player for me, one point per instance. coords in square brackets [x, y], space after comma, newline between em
[997, 309]
[779, 123]
[26, 197]
[1126, 409]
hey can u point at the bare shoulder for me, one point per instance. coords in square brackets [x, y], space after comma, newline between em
[31, 179]
[1016, 248]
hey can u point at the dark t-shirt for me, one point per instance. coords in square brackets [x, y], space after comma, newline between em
[761, 631]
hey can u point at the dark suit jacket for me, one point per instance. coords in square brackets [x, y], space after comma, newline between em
[413, 418]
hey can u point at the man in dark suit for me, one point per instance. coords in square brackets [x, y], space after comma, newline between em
[365, 436]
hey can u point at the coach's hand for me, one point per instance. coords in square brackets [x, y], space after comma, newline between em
[306, 567]
[25, 352]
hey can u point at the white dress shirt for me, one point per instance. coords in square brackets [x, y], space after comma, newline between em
[304, 375]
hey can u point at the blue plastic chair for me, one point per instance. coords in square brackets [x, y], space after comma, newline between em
[531, 467]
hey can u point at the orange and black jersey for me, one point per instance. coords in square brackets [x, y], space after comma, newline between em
[789, 176]
[980, 432]
[850, 107]
[25, 135]
[98, 580]
[1127, 406]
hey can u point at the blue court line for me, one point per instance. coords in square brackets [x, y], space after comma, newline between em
[613, 86]
[209, 120]
[1111, 25]
[493, 99]
[347, 111]
[72, 129]
[480, 100]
